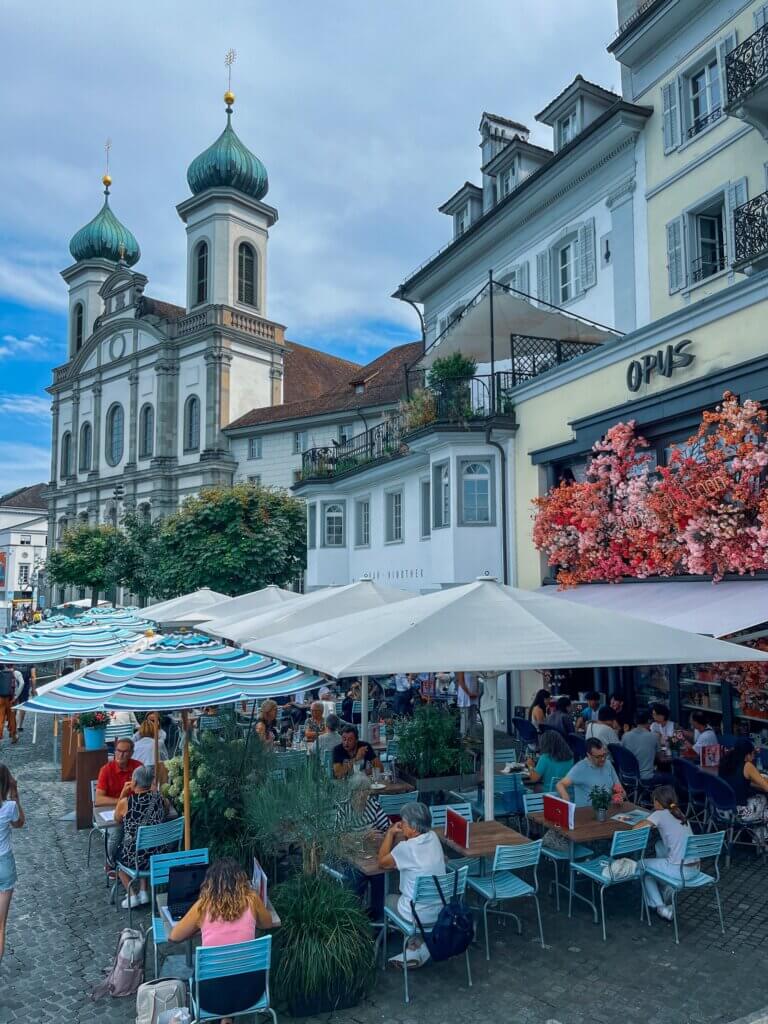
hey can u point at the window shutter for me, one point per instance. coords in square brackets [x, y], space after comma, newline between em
[587, 264]
[523, 279]
[735, 195]
[670, 116]
[723, 47]
[761, 16]
[542, 276]
[676, 255]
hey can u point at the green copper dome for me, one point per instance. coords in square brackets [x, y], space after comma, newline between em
[105, 238]
[228, 164]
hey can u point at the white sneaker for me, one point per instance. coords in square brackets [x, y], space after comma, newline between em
[135, 901]
[666, 912]
[143, 897]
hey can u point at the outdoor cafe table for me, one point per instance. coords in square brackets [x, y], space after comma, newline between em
[391, 789]
[484, 837]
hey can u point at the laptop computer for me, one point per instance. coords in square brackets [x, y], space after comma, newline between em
[184, 884]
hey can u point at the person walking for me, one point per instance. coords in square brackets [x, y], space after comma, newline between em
[28, 689]
[11, 816]
[8, 686]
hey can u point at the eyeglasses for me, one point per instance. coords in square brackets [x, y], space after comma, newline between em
[599, 757]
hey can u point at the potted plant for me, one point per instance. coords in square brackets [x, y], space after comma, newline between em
[430, 754]
[600, 798]
[93, 726]
[324, 953]
[448, 379]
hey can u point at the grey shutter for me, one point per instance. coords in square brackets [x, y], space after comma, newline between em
[670, 116]
[587, 263]
[723, 47]
[735, 195]
[524, 278]
[676, 268]
[761, 16]
[543, 290]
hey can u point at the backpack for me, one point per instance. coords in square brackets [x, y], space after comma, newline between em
[454, 929]
[126, 972]
[156, 997]
[7, 683]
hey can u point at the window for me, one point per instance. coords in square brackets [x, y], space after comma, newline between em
[86, 447]
[345, 433]
[566, 129]
[66, 454]
[246, 274]
[461, 220]
[77, 326]
[23, 577]
[425, 507]
[192, 424]
[114, 439]
[567, 271]
[300, 442]
[441, 492]
[25, 538]
[704, 98]
[362, 523]
[201, 273]
[505, 182]
[62, 528]
[255, 479]
[709, 245]
[146, 432]
[311, 526]
[476, 493]
[145, 512]
[393, 517]
[333, 525]
[254, 447]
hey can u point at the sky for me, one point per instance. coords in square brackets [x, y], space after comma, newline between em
[365, 114]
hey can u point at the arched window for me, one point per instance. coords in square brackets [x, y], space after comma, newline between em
[246, 274]
[333, 525]
[86, 445]
[145, 512]
[201, 273]
[66, 455]
[476, 492]
[146, 431]
[192, 424]
[77, 326]
[115, 431]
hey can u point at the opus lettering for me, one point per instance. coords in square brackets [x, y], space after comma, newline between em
[664, 361]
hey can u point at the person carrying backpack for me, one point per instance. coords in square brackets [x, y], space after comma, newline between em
[7, 693]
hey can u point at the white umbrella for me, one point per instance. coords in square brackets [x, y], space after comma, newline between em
[235, 609]
[176, 610]
[490, 628]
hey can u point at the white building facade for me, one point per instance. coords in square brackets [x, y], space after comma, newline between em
[23, 547]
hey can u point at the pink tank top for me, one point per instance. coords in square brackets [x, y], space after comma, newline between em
[224, 933]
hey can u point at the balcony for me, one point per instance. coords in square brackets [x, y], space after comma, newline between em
[746, 71]
[706, 266]
[704, 122]
[750, 234]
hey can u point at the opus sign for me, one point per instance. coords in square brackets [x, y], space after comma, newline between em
[664, 361]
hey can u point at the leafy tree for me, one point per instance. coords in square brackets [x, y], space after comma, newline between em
[232, 539]
[86, 558]
[136, 556]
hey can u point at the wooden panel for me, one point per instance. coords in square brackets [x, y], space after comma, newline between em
[88, 765]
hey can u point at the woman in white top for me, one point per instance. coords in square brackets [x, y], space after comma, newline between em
[144, 740]
[11, 816]
[418, 852]
[662, 724]
[674, 831]
[703, 734]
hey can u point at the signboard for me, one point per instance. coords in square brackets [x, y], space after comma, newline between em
[664, 362]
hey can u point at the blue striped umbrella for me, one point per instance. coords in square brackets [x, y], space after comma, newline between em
[173, 673]
[27, 647]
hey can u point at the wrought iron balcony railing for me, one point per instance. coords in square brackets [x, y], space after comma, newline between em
[382, 442]
[705, 121]
[750, 231]
[746, 66]
[706, 266]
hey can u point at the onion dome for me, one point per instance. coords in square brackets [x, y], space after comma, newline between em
[105, 238]
[228, 164]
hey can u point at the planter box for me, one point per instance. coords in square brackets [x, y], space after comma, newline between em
[441, 783]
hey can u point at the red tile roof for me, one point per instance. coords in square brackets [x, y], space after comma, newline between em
[25, 497]
[383, 383]
[309, 372]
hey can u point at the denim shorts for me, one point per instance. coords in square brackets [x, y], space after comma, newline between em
[7, 872]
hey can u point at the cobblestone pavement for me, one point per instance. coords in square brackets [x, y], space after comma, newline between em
[62, 933]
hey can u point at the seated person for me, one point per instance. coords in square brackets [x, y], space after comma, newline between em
[738, 769]
[331, 738]
[604, 728]
[351, 751]
[227, 911]
[702, 734]
[144, 740]
[266, 724]
[411, 847]
[620, 716]
[589, 712]
[140, 804]
[645, 745]
[326, 699]
[560, 718]
[662, 724]
[594, 770]
[116, 774]
[554, 762]
[674, 831]
[361, 814]
[315, 724]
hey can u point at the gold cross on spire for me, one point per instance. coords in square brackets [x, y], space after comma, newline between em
[106, 180]
[229, 59]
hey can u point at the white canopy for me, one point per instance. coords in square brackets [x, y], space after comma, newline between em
[234, 609]
[487, 627]
[512, 314]
[319, 607]
[718, 609]
[177, 609]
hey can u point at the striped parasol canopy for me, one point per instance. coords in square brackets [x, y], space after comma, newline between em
[33, 647]
[172, 673]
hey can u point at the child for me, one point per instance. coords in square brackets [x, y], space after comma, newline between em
[674, 830]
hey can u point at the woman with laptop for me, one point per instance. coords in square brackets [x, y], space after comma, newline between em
[227, 911]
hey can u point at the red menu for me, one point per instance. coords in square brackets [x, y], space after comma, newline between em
[457, 828]
[559, 812]
[710, 756]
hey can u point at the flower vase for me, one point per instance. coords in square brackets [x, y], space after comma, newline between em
[601, 813]
[94, 739]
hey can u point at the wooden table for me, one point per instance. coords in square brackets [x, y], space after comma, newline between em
[484, 837]
[393, 789]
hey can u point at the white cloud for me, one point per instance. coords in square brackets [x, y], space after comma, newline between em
[22, 465]
[33, 346]
[25, 406]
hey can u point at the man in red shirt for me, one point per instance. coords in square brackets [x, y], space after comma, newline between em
[114, 778]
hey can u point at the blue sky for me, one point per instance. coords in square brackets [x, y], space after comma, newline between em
[365, 115]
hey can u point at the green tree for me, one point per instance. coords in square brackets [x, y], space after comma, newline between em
[86, 557]
[232, 539]
[136, 556]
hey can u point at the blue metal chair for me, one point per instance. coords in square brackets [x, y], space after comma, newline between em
[578, 745]
[722, 813]
[439, 813]
[425, 891]
[503, 884]
[695, 786]
[696, 848]
[508, 792]
[628, 769]
[506, 755]
[229, 962]
[624, 843]
[534, 804]
[291, 759]
[389, 756]
[150, 837]
[391, 803]
[527, 734]
[159, 868]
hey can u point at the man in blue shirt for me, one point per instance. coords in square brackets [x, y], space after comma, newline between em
[594, 770]
[589, 712]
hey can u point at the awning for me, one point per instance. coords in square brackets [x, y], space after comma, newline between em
[714, 609]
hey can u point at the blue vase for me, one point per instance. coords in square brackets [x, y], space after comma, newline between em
[93, 739]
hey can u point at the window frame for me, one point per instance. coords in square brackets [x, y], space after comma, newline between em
[245, 249]
[255, 479]
[65, 464]
[24, 569]
[298, 447]
[363, 519]
[425, 508]
[25, 539]
[506, 181]
[201, 254]
[188, 441]
[110, 435]
[572, 264]
[390, 496]
[311, 525]
[326, 507]
[146, 451]
[258, 444]
[569, 121]
[461, 221]
[441, 509]
[85, 448]
[78, 327]
[490, 463]
[702, 66]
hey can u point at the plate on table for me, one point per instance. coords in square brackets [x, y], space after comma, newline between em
[378, 785]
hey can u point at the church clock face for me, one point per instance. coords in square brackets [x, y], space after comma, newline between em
[117, 347]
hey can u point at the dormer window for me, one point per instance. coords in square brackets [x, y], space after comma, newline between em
[461, 220]
[566, 129]
[505, 182]
[360, 388]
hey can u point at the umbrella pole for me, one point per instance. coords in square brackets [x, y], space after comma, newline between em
[487, 711]
[187, 822]
[157, 750]
[364, 707]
